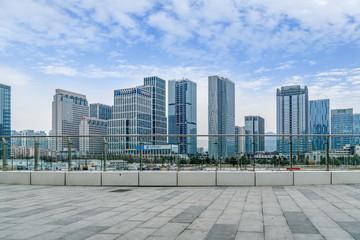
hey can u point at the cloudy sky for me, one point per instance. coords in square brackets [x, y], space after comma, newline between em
[93, 47]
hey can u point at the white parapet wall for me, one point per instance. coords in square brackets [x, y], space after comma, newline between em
[265, 178]
[345, 177]
[235, 178]
[158, 178]
[312, 177]
[15, 177]
[120, 178]
[48, 178]
[83, 178]
[197, 178]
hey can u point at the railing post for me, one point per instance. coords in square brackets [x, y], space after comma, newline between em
[105, 155]
[327, 154]
[36, 154]
[254, 160]
[141, 148]
[4, 154]
[217, 155]
[178, 154]
[69, 154]
[291, 157]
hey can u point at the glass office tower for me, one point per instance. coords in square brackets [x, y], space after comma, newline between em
[341, 123]
[356, 128]
[319, 123]
[292, 117]
[5, 117]
[221, 116]
[239, 141]
[182, 115]
[100, 111]
[156, 86]
[254, 125]
[131, 115]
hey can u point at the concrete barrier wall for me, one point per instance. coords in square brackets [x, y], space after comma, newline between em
[182, 178]
[235, 178]
[15, 177]
[122, 178]
[345, 177]
[48, 178]
[312, 177]
[157, 178]
[273, 178]
[197, 178]
[83, 178]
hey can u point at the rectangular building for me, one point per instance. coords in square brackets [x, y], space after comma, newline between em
[156, 87]
[182, 115]
[132, 114]
[221, 116]
[356, 128]
[254, 125]
[68, 110]
[5, 116]
[92, 146]
[292, 117]
[341, 123]
[239, 141]
[100, 111]
[319, 123]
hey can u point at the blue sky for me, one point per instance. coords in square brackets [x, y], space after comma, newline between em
[93, 47]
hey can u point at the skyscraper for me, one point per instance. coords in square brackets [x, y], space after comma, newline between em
[156, 86]
[239, 141]
[182, 114]
[356, 128]
[341, 123]
[92, 126]
[221, 115]
[319, 122]
[100, 111]
[68, 109]
[292, 117]
[254, 125]
[132, 114]
[5, 116]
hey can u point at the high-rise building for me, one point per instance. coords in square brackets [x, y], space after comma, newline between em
[356, 128]
[319, 123]
[239, 141]
[15, 141]
[182, 115]
[156, 86]
[92, 126]
[100, 111]
[5, 116]
[292, 118]
[221, 115]
[132, 114]
[254, 125]
[68, 109]
[341, 123]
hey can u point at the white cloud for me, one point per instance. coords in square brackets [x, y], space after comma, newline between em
[14, 77]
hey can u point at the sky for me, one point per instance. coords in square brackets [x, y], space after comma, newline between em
[93, 47]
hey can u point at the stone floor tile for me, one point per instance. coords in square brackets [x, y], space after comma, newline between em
[170, 229]
[249, 235]
[137, 233]
[308, 237]
[192, 234]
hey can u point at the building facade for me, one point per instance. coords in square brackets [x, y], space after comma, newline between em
[5, 117]
[292, 118]
[221, 116]
[254, 125]
[319, 123]
[356, 128]
[182, 115]
[100, 111]
[239, 141]
[132, 114]
[93, 146]
[68, 110]
[341, 123]
[157, 88]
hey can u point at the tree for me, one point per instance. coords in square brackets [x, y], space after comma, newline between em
[274, 161]
[322, 160]
[233, 161]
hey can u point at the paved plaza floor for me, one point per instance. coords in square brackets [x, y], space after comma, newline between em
[289, 212]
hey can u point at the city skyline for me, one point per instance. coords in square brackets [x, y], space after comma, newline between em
[95, 48]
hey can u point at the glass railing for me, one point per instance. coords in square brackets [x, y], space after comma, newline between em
[181, 153]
